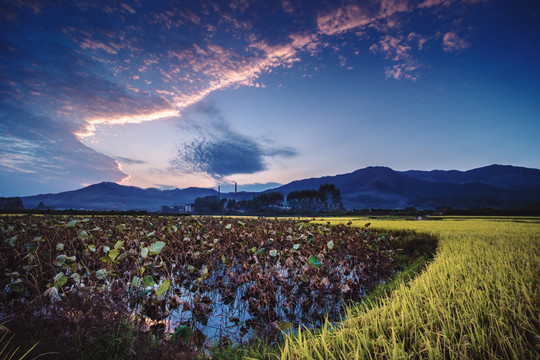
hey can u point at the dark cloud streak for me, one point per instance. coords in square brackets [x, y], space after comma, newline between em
[218, 150]
[221, 157]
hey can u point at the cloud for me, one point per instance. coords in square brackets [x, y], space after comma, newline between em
[399, 50]
[218, 150]
[129, 161]
[44, 151]
[343, 19]
[83, 65]
[432, 3]
[452, 42]
[222, 157]
[286, 152]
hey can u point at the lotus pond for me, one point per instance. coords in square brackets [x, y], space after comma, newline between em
[197, 281]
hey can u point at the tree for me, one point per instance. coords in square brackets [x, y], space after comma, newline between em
[209, 205]
[11, 203]
[328, 197]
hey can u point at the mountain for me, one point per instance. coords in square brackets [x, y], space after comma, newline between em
[111, 196]
[496, 186]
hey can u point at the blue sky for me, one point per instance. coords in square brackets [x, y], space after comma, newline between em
[176, 94]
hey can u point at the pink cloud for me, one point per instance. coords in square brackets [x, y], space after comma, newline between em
[452, 42]
[187, 75]
[97, 45]
[390, 7]
[402, 71]
[431, 3]
[128, 8]
[343, 19]
[392, 47]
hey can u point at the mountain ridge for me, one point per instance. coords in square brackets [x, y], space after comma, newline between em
[497, 186]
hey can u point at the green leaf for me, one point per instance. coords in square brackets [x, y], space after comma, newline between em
[144, 252]
[92, 248]
[12, 240]
[119, 244]
[156, 247]
[314, 261]
[136, 281]
[148, 280]
[183, 332]
[260, 251]
[273, 253]
[60, 247]
[106, 249]
[151, 234]
[101, 274]
[241, 223]
[72, 223]
[76, 277]
[113, 254]
[330, 244]
[310, 237]
[226, 261]
[228, 226]
[38, 239]
[32, 247]
[60, 260]
[296, 246]
[83, 235]
[163, 287]
[60, 280]
[142, 293]
[191, 268]
[285, 325]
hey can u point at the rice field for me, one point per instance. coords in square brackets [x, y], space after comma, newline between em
[478, 299]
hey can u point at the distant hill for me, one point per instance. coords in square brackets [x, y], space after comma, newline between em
[496, 186]
[111, 196]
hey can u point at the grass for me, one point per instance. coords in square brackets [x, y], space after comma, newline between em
[7, 351]
[478, 299]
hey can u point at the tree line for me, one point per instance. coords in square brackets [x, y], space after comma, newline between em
[327, 198]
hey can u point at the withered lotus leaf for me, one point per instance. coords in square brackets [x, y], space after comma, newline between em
[241, 274]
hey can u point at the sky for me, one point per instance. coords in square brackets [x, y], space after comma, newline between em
[173, 94]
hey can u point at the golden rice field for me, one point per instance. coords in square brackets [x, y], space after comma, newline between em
[478, 299]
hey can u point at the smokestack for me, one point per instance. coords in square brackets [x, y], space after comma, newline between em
[235, 188]
[219, 192]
